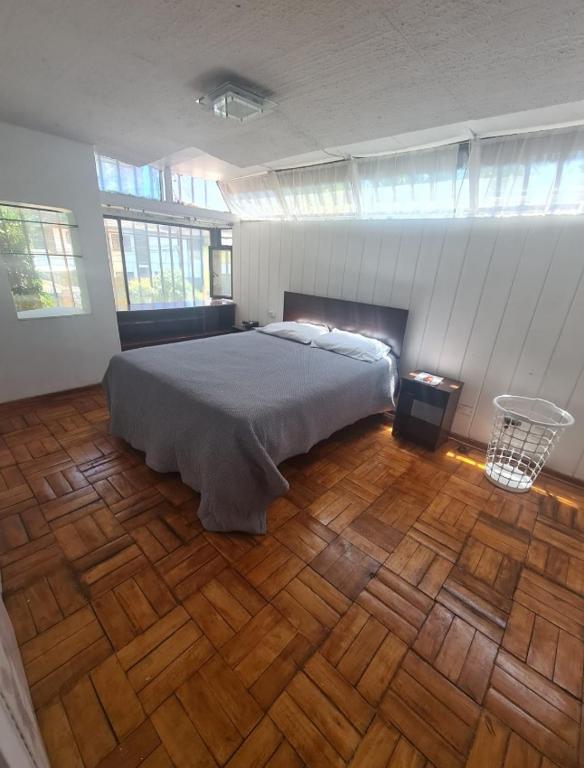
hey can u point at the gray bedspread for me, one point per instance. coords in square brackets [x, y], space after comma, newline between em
[225, 411]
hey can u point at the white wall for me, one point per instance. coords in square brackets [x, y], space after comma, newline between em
[498, 303]
[51, 354]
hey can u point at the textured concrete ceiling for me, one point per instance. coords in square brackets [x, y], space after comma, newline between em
[123, 74]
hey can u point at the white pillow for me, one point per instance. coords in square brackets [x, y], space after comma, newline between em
[305, 333]
[353, 345]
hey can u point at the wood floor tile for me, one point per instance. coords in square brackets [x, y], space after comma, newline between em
[190, 567]
[304, 536]
[89, 723]
[311, 604]
[490, 566]
[59, 740]
[337, 509]
[278, 673]
[538, 710]
[401, 611]
[507, 539]
[142, 747]
[397, 510]
[364, 652]
[422, 481]
[259, 747]
[457, 650]
[25, 564]
[554, 603]
[180, 737]
[139, 509]
[63, 653]
[377, 746]
[117, 698]
[269, 566]
[303, 734]
[557, 551]
[476, 603]
[345, 566]
[431, 712]
[398, 605]
[419, 565]
[468, 493]
[261, 641]
[220, 708]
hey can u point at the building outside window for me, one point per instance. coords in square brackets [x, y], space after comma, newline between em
[158, 266]
[39, 248]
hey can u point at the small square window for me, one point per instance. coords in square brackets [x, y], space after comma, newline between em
[39, 249]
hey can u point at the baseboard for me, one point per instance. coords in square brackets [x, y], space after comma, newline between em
[546, 471]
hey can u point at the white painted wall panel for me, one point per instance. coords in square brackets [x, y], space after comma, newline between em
[498, 303]
[56, 353]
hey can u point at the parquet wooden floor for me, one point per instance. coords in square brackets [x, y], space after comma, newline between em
[400, 611]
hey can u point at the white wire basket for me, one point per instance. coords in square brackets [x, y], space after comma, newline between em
[524, 433]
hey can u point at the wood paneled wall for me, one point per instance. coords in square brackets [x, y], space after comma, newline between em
[498, 303]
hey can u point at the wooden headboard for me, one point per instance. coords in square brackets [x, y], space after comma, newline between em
[384, 323]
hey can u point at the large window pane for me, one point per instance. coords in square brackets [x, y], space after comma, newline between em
[140, 181]
[116, 263]
[214, 198]
[40, 251]
[221, 273]
[165, 265]
[192, 190]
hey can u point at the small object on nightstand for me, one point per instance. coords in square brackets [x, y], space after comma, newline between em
[429, 378]
[425, 411]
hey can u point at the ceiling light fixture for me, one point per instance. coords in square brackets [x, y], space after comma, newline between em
[232, 102]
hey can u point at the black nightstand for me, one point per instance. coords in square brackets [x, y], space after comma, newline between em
[424, 413]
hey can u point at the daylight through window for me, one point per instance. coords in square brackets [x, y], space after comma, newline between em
[39, 248]
[140, 181]
[158, 266]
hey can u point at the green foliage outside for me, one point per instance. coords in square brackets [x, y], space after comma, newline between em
[25, 282]
[161, 290]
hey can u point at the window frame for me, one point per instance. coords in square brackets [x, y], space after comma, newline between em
[214, 241]
[61, 310]
[178, 180]
[217, 245]
[135, 170]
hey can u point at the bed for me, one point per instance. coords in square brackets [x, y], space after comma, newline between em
[225, 411]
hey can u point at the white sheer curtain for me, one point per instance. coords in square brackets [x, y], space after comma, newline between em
[319, 190]
[520, 175]
[428, 184]
[254, 197]
[530, 174]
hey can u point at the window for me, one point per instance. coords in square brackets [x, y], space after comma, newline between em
[534, 173]
[221, 285]
[39, 248]
[428, 184]
[191, 190]
[148, 182]
[318, 190]
[157, 266]
[226, 237]
[140, 181]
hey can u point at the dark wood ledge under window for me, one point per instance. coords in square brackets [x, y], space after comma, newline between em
[148, 327]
